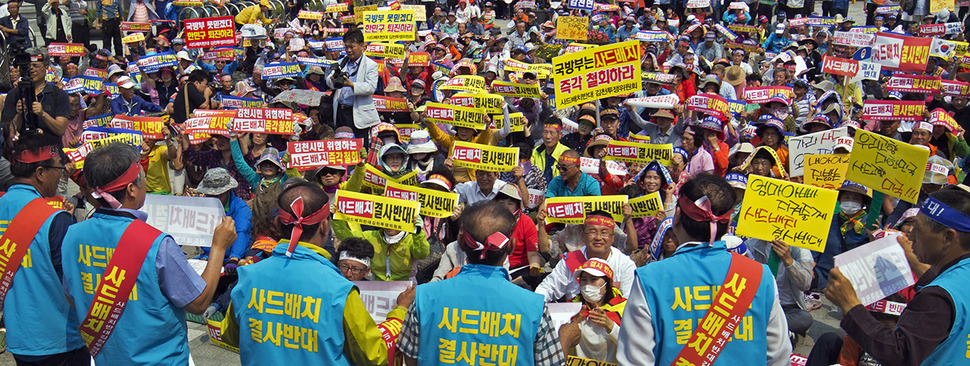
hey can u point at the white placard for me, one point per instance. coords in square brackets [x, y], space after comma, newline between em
[815, 143]
[380, 297]
[189, 220]
[876, 270]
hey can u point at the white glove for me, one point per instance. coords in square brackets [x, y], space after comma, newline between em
[210, 311]
[229, 127]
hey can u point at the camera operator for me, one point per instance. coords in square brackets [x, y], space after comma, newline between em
[14, 26]
[50, 108]
[354, 82]
[194, 95]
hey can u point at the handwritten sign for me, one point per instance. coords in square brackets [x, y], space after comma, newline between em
[597, 73]
[385, 212]
[633, 152]
[826, 170]
[210, 32]
[778, 209]
[887, 165]
[189, 220]
[876, 270]
[572, 210]
[306, 155]
[485, 157]
[434, 203]
[814, 143]
[576, 28]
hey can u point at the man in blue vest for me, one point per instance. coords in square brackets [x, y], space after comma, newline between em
[115, 249]
[296, 307]
[687, 307]
[933, 329]
[478, 315]
[41, 326]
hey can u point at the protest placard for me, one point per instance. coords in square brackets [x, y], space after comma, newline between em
[509, 89]
[693, 4]
[575, 28]
[876, 270]
[939, 117]
[420, 14]
[888, 110]
[887, 165]
[914, 84]
[572, 210]
[653, 36]
[485, 157]
[814, 143]
[518, 121]
[658, 101]
[434, 203]
[134, 38]
[337, 8]
[379, 211]
[306, 155]
[150, 127]
[265, 126]
[542, 71]
[937, 5]
[581, 4]
[839, 66]
[113, 90]
[375, 179]
[456, 116]
[592, 165]
[67, 49]
[708, 103]
[98, 133]
[143, 27]
[888, 9]
[762, 94]
[380, 297]
[153, 63]
[929, 30]
[388, 104]
[221, 54]
[853, 39]
[826, 170]
[210, 32]
[422, 59]
[231, 102]
[817, 21]
[792, 212]
[212, 125]
[189, 220]
[597, 73]
[265, 113]
[309, 15]
[99, 121]
[867, 71]
[647, 205]
[385, 50]
[901, 53]
[395, 25]
[279, 70]
[469, 83]
[576, 47]
[491, 103]
[579, 361]
[632, 152]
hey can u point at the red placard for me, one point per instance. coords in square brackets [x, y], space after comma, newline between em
[419, 59]
[388, 104]
[67, 49]
[210, 32]
[708, 103]
[763, 94]
[901, 53]
[892, 110]
[840, 66]
[306, 155]
[955, 88]
[932, 30]
[222, 54]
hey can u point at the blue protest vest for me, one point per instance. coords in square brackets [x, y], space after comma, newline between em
[477, 316]
[953, 351]
[679, 290]
[151, 330]
[36, 328]
[290, 310]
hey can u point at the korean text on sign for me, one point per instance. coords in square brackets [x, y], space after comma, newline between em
[887, 165]
[306, 155]
[366, 209]
[210, 32]
[792, 212]
[485, 157]
[633, 152]
[597, 73]
[433, 203]
[572, 210]
[389, 25]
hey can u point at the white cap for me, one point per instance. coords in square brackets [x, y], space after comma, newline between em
[779, 29]
[182, 55]
[125, 82]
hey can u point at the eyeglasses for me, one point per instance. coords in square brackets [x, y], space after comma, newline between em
[563, 167]
[351, 269]
[54, 167]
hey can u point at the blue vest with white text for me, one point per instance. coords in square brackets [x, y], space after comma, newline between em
[679, 290]
[36, 328]
[291, 310]
[954, 350]
[151, 330]
[477, 317]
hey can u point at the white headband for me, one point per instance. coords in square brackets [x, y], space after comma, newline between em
[364, 261]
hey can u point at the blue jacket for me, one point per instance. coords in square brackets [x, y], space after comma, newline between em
[588, 186]
[22, 28]
[136, 107]
[230, 67]
[775, 43]
[240, 213]
[953, 351]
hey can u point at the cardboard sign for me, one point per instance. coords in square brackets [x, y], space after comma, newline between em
[839, 66]
[189, 220]
[397, 25]
[826, 170]
[648, 205]
[134, 38]
[914, 84]
[763, 94]
[375, 179]
[633, 152]
[572, 210]
[485, 157]
[231, 102]
[210, 125]
[306, 155]
[456, 116]
[422, 59]
[210, 32]
[517, 90]
[279, 70]
[153, 63]
[887, 165]
[136, 27]
[379, 211]
[814, 143]
[67, 49]
[876, 270]
[901, 53]
[576, 28]
[380, 297]
[712, 104]
[853, 39]
[310, 15]
[388, 104]
[470, 83]
[491, 103]
[434, 203]
[778, 209]
[885, 110]
[597, 73]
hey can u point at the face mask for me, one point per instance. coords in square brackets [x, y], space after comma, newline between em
[850, 207]
[781, 113]
[394, 239]
[592, 293]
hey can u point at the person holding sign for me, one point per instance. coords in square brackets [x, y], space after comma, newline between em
[848, 230]
[41, 324]
[592, 333]
[932, 329]
[130, 104]
[147, 275]
[523, 329]
[485, 137]
[792, 267]
[760, 334]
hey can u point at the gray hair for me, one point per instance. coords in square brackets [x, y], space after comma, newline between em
[105, 164]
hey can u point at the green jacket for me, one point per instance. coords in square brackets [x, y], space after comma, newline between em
[401, 256]
[539, 157]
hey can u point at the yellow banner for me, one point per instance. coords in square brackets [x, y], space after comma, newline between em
[509, 89]
[937, 5]
[359, 12]
[395, 25]
[434, 203]
[799, 214]
[134, 38]
[385, 50]
[887, 165]
[572, 210]
[469, 83]
[542, 71]
[456, 116]
[490, 102]
[578, 361]
[648, 205]
[597, 73]
[485, 157]
[635, 152]
[379, 211]
[518, 122]
[826, 170]
[376, 180]
[576, 28]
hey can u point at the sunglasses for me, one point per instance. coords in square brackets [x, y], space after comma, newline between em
[563, 167]
[329, 171]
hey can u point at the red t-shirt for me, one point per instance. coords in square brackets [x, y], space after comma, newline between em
[526, 238]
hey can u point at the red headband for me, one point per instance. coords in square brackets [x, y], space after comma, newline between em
[553, 126]
[43, 153]
[442, 179]
[569, 159]
[597, 220]
[298, 221]
[119, 183]
[700, 210]
[494, 242]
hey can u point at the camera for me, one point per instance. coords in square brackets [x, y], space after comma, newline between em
[20, 58]
[338, 78]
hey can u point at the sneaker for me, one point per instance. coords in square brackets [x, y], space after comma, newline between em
[3, 340]
[812, 302]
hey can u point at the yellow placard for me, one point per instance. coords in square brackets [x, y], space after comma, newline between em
[826, 170]
[937, 5]
[576, 28]
[635, 152]
[518, 122]
[579, 361]
[572, 210]
[379, 211]
[376, 180]
[469, 83]
[647, 205]
[798, 214]
[134, 38]
[485, 157]
[887, 165]
[434, 203]
[385, 50]
[395, 25]
[597, 73]
[456, 116]
[337, 8]
[516, 90]
[542, 71]
[490, 102]
[360, 10]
